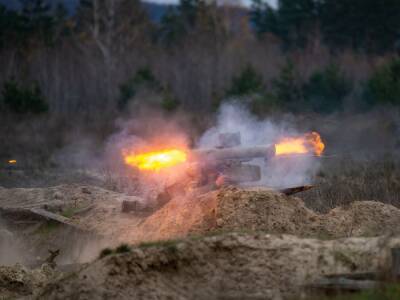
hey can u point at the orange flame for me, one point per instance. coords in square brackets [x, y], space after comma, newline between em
[155, 161]
[12, 161]
[311, 142]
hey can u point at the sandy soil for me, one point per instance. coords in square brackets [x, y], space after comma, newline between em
[231, 244]
[231, 209]
[225, 266]
[234, 209]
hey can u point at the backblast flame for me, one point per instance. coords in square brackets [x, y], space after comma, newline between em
[157, 160]
[309, 143]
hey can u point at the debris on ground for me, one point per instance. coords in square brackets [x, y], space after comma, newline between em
[17, 281]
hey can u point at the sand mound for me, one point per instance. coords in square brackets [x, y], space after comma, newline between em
[247, 264]
[229, 209]
[267, 211]
[95, 210]
[237, 266]
[234, 209]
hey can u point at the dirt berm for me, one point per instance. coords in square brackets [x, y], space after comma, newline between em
[227, 266]
[241, 260]
[233, 209]
[230, 209]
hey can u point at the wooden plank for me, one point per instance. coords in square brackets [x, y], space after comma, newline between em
[344, 284]
[355, 276]
[52, 216]
[28, 214]
[395, 262]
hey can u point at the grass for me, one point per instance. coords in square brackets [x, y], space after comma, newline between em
[123, 248]
[162, 243]
[342, 181]
[47, 228]
[69, 212]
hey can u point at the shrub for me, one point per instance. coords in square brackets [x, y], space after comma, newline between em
[123, 248]
[105, 252]
[287, 87]
[326, 89]
[384, 85]
[126, 92]
[143, 78]
[247, 83]
[169, 102]
[264, 104]
[21, 100]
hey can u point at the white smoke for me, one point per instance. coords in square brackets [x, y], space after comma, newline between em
[10, 248]
[277, 172]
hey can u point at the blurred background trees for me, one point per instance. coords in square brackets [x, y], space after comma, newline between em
[110, 55]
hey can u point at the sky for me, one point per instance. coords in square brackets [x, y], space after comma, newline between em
[247, 2]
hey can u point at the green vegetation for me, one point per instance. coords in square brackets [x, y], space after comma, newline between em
[105, 252]
[169, 102]
[188, 17]
[287, 87]
[326, 89]
[384, 85]
[48, 228]
[22, 100]
[72, 68]
[123, 248]
[248, 82]
[35, 22]
[190, 48]
[143, 79]
[360, 24]
[250, 88]
[162, 243]
[70, 211]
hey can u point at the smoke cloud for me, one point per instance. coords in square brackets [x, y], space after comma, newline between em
[277, 172]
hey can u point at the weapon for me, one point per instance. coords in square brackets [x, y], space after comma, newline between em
[228, 163]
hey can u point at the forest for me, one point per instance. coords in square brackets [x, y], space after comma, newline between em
[110, 58]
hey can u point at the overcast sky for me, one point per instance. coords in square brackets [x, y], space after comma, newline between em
[247, 2]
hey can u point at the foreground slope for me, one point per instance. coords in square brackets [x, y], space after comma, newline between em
[225, 266]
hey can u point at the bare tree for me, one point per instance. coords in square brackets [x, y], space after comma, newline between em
[113, 27]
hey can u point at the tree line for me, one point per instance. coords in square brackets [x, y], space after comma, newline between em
[109, 55]
[362, 25]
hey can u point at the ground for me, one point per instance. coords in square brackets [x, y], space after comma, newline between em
[230, 243]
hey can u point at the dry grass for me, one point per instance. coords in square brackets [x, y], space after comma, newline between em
[345, 180]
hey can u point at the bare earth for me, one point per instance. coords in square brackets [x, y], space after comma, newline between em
[230, 266]
[230, 244]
